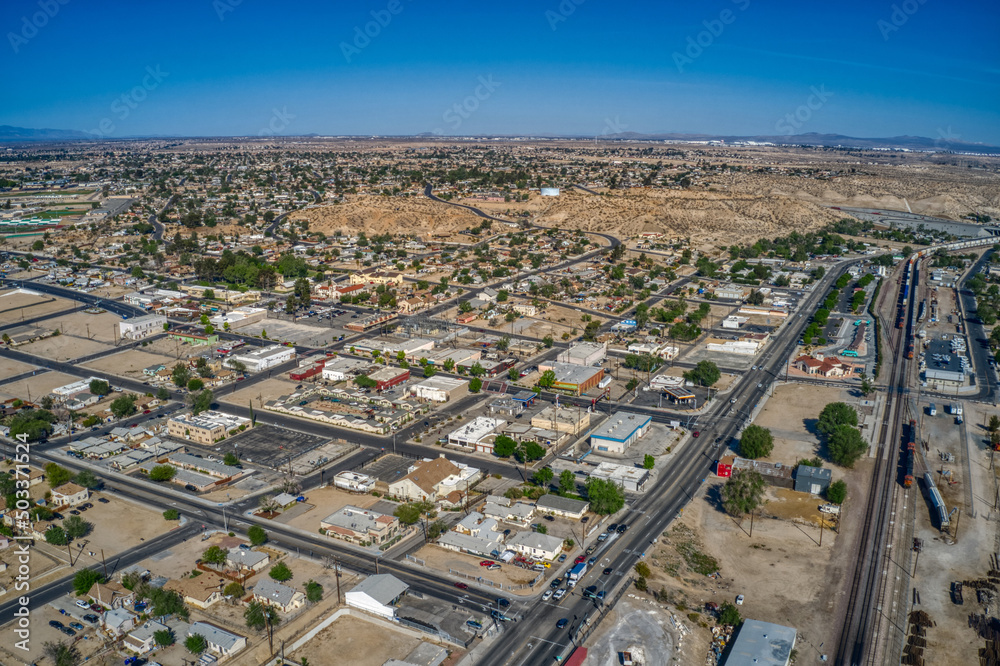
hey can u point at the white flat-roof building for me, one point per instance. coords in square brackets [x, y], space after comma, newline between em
[630, 478]
[354, 482]
[377, 594]
[538, 546]
[262, 358]
[440, 389]
[619, 432]
[75, 387]
[762, 644]
[477, 434]
[584, 353]
[141, 327]
[341, 369]
[239, 317]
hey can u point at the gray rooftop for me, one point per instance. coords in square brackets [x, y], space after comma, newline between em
[274, 592]
[215, 635]
[383, 588]
[557, 503]
[612, 429]
[762, 644]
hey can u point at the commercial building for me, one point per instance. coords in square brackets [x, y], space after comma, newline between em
[762, 644]
[354, 482]
[360, 526]
[205, 428]
[733, 321]
[569, 420]
[632, 479]
[619, 432]
[576, 379]
[239, 317]
[342, 369]
[440, 389]
[730, 292]
[74, 388]
[584, 353]
[262, 358]
[387, 377]
[141, 327]
[477, 434]
[69, 494]
[377, 595]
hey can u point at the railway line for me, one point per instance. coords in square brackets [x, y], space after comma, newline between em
[858, 644]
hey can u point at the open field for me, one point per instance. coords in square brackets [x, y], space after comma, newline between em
[16, 305]
[443, 559]
[129, 363]
[791, 414]
[10, 368]
[36, 386]
[357, 641]
[261, 392]
[65, 347]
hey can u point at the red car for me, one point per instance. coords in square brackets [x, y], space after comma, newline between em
[461, 586]
[695, 433]
[581, 558]
[145, 411]
[486, 563]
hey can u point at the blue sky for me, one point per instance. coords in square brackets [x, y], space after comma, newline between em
[228, 67]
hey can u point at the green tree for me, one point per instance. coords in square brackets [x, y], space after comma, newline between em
[87, 479]
[167, 602]
[234, 590]
[706, 373]
[475, 385]
[994, 422]
[257, 535]
[60, 653]
[836, 414]
[504, 446]
[162, 473]
[542, 529]
[171, 514]
[162, 394]
[76, 527]
[57, 475]
[643, 569]
[605, 497]
[195, 643]
[729, 615]
[867, 386]
[34, 423]
[123, 406]
[231, 459]
[846, 445]
[180, 375]
[567, 482]
[548, 341]
[756, 442]
[164, 637]
[99, 387]
[56, 536]
[543, 476]
[84, 579]
[408, 514]
[314, 591]
[259, 616]
[547, 380]
[648, 461]
[202, 401]
[529, 451]
[195, 384]
[280, 572]
[743, 492]
[836, 492]
[214, 555]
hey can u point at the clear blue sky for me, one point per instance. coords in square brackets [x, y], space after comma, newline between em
[604, 67]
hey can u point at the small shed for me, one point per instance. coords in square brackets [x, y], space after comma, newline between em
[812, 480]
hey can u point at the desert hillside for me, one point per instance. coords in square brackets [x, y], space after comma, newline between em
[417, 216]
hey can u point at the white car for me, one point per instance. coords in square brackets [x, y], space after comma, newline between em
[547, 595]
[739, 600]
[560, 593]
[82, 604]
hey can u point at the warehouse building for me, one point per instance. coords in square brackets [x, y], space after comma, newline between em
[619, 432]
[762, 644]
[812, 480]
[387, 377]
[378, 595]
[440, 389]
[477, 434]
[576, 379]
[584, 353]
[262, 358]
[141, 327]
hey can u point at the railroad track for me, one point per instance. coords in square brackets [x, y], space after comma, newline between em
[867, 583]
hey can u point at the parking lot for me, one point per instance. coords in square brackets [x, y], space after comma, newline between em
[388, 468]
[272, 446]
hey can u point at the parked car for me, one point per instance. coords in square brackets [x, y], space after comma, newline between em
[486, 563]
[68, 631]
[56, 623]
[103, 500]
[614, 527]
[493, 567]
[76, 625]
[91, 618]
[82, 604]
[562, 558]
[555, 583]
[739, 600]
[474, 624]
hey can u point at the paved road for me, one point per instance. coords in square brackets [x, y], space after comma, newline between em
[540, 642]
[35, 320]
[978, 346]
[118, 307]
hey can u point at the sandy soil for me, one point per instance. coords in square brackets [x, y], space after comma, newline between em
[357, 641]
[9, 367]
[325, 501]
[426, 219]
[261, 392]
[443, 559]
[38, 385]
[129, 363]
[791, 413]
[65, 347]
[102, 327]
[13, 305]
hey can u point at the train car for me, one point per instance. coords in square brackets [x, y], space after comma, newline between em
[909, 453]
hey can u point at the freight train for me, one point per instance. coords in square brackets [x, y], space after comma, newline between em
[908, 453]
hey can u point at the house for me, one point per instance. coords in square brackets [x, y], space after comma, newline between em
[202, 591]
[284, 500]
[378, 595]
[535, 545]
[111, 595]
[508, 511]
[360, 526]
[429, 480]
[812, 480]
[566, 507]
[221, 642]
[282, 597]
[118, 621]
[141, 638]
[245, 560]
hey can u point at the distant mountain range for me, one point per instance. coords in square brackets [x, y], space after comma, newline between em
[11, 134]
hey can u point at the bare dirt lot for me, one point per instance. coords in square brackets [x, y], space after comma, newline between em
[129, 363]
[10, 367]
[443, 559]
[325, 501]
[261, 392]
[65, 347]
[357, 641]
[16, 305]
[791, 414]
[37, 385]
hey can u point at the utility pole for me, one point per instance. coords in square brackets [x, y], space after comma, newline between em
[104, 564]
